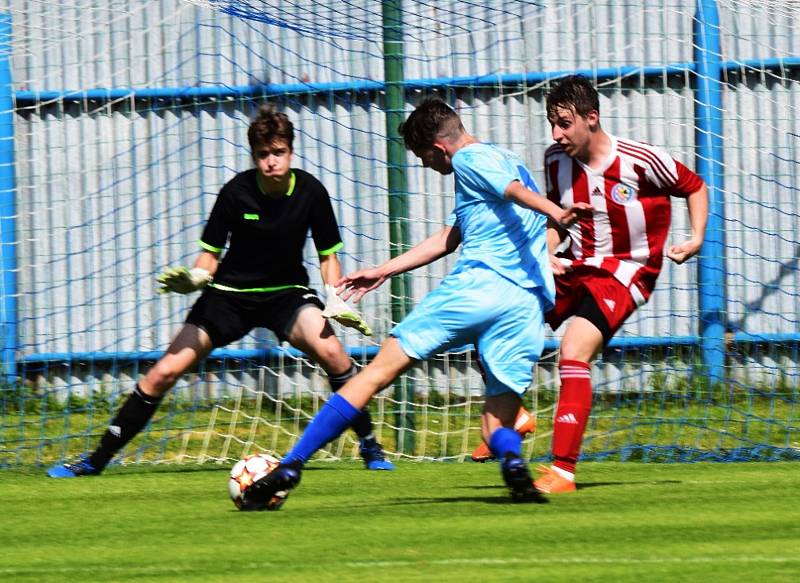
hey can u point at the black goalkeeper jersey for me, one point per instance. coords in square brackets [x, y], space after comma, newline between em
[267, 234]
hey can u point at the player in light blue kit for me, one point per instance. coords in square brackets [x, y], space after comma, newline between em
[495, 297]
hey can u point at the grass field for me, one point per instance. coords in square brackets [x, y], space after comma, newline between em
[424, 522]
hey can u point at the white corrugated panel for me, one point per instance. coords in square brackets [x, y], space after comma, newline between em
[111, 195]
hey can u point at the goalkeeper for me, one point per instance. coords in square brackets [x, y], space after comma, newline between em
[264, 216]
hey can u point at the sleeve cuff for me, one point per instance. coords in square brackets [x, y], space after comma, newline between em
[332, 250]
[210, 248]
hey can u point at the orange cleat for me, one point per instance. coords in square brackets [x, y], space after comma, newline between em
[482, 453]
[524, 424]
[551, 482]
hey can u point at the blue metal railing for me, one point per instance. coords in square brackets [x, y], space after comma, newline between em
[709, 165]
[8, 210]
[529, 79]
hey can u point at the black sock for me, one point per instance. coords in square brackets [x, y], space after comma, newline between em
[129, 421]
[362, 424]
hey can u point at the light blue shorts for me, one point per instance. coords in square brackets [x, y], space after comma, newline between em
[479, 306]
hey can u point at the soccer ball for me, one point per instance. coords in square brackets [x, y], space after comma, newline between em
[246, 471]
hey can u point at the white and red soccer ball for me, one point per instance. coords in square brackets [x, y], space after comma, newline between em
[246, 471]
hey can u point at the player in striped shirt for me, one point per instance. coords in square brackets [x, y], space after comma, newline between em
[607, 264]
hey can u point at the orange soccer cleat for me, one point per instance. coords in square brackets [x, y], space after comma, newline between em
[524, 424]
[551, 482]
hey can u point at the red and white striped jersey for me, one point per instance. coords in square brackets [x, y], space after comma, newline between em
[630, 193]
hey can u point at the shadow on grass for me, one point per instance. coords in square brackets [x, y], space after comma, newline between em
[499, 498]
[587, 485]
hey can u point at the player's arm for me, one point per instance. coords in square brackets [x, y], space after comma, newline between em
[521, 195]
[434, 247]
[697, 203]
[183, 280]
[555, 235]
[330, 268]
[209, 261]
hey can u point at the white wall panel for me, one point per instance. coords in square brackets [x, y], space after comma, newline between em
[111, 194]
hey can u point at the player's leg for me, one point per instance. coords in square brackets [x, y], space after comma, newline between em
[510, 346]
[497, 426]
[435, 324]
[189, 346]
[216, 319]
[568, 295]
[333, 419]
[601, 311]
[524, 423]
[581, 341]
[312, 334]
[343, 407]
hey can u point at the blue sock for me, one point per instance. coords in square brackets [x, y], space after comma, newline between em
[335, 416]
[505, 440]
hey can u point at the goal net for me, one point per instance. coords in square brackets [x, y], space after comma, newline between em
[121, 120]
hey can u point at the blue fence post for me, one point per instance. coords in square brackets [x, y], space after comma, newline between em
[709, 163]
[8, 208]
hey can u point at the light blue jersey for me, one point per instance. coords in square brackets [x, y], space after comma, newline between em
[496, 232]
[496, 296]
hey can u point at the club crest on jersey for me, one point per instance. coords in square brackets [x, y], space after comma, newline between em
[622, 193]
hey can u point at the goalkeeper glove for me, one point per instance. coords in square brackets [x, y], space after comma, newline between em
[182, 280]
[337, 309]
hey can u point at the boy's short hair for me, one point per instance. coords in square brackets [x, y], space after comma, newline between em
[268, 126]
[572, 92]
[431, 119]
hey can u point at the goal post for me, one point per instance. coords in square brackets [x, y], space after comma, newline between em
[120, 122]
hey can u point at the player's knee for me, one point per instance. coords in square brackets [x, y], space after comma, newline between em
[332, 357]
[163, 376]
[379, 376]
[575, 351]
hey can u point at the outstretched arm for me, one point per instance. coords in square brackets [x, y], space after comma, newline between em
[520, 194]
[437, 245]
[697, 203]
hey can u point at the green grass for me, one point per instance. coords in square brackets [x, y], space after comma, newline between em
[424, 522]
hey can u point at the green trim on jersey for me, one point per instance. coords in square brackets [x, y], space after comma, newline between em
[210, 248]
[289, 192]
[332, 250]
[292, 182]
[221, 287]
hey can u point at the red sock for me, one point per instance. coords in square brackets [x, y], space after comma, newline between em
[574, 405]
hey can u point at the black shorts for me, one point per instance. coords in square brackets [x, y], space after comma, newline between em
[589, 310]
[228, 316]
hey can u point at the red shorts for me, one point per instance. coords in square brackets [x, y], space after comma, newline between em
[612, 298]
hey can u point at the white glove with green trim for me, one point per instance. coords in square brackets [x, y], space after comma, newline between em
[183, 280]
[337, 309]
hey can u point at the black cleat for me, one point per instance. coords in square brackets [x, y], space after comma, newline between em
[518, 479]
[373, 455]
[271, 491]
